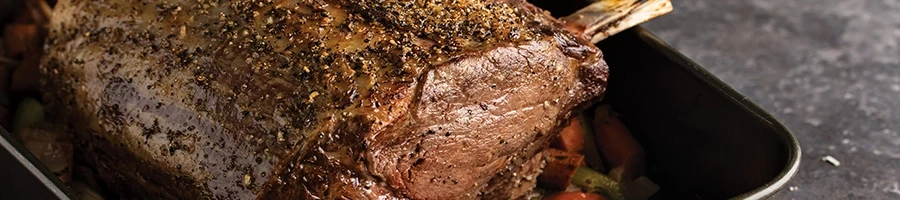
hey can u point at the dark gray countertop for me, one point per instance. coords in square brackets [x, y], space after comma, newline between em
[828, 69]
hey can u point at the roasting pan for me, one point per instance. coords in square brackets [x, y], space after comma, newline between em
[703, 139]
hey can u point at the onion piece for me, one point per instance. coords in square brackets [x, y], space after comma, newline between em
[51, 147]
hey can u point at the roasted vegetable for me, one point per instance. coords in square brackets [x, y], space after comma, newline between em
[575, 196]
[84, 192]
[50, 146]
[590, 151]
[20, 39]
[34, 12]
[30, 111]
[616, 144]
[571, 138]
[560, 168]
[25, 79]
[594, 181]
[638, 189]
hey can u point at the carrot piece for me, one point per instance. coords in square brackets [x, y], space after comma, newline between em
[560, 168]
[616, 144]
[571, 138]
[26, 78]
[592, 157]
[34, 12]
[575, 196]
[21, 39]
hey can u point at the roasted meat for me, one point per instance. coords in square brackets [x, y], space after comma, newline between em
[310, 99]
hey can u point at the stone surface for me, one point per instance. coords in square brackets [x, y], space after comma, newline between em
[829, 69]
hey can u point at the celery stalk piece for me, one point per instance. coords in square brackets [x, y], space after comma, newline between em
[594, 181]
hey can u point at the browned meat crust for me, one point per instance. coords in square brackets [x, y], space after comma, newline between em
[314, 99]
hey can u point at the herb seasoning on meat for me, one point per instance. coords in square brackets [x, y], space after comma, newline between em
[312, 99]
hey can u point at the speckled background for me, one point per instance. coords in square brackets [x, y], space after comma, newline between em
[828, 69]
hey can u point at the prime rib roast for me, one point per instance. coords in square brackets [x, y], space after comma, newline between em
[315, 99]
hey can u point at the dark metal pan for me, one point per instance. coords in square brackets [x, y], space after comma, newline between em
[22, 176]
[703, 139]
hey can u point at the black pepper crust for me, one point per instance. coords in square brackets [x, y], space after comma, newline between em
[231, 99]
